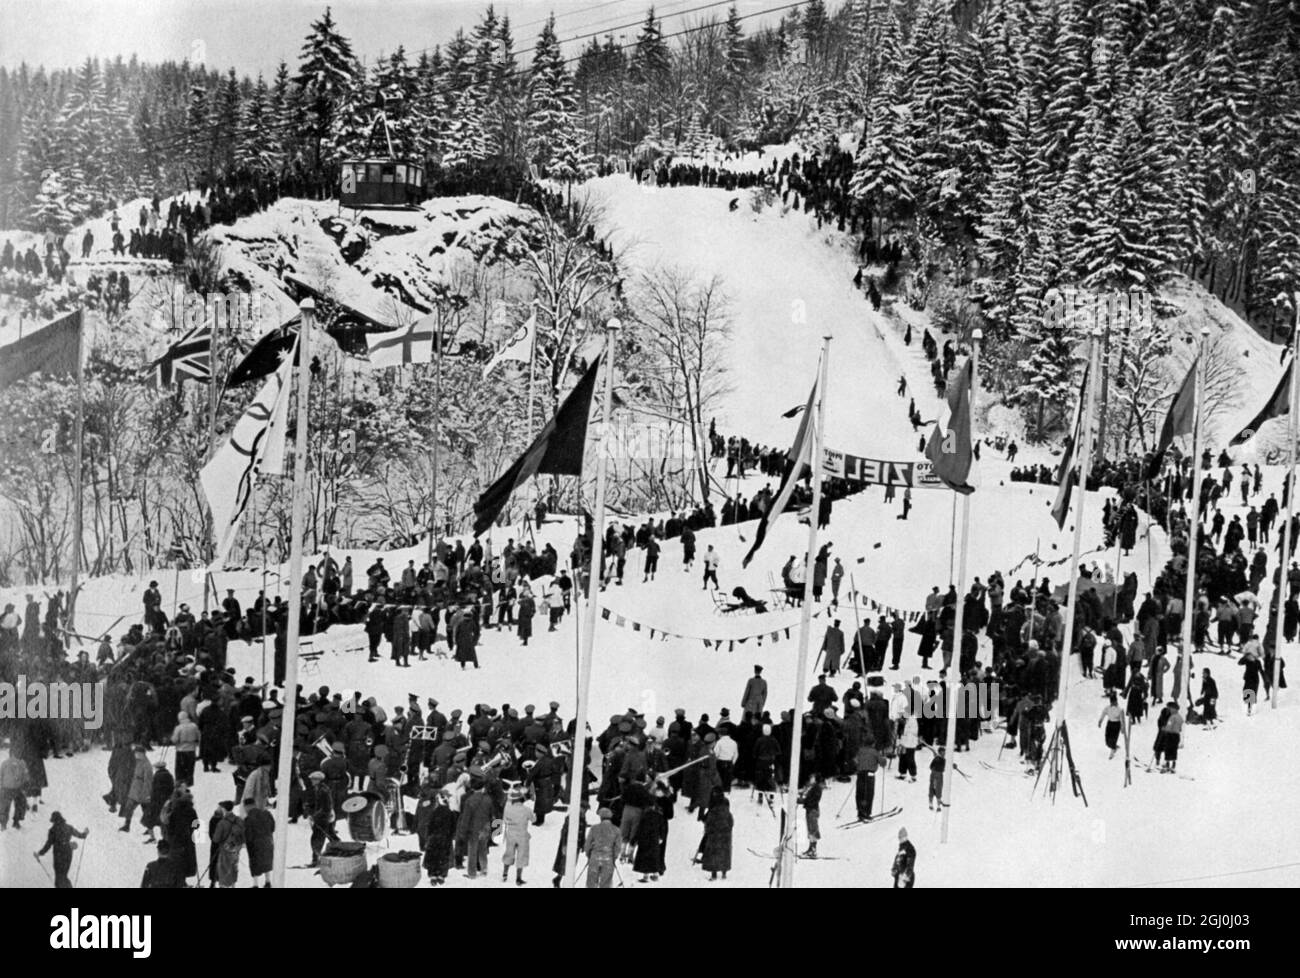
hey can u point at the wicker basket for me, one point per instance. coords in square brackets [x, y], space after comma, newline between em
[399, 870]
[342, 863]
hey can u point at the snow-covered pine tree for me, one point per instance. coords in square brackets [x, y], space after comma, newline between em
[258, 145]
[224, 128]
[327, 70]
[53, 208]
[883, 168]
[554, 140]
[648, 74]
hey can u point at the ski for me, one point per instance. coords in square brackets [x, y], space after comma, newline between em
[771, 855]
[1010, 772]
[874, 818]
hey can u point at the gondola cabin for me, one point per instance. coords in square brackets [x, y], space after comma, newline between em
[380, 183]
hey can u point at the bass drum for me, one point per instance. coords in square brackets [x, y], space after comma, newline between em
[367, 817]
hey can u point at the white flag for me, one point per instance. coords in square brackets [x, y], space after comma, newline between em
[402, 346]
[276, 439]
[518, 347]
[227, 479]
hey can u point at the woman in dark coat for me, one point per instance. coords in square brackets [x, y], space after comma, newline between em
[259, 837]
[527, 608]
[542, 777]
[716, 844]
[181, 823]
[441, 832]
[163, 786]
[649, 861]
[214, 735]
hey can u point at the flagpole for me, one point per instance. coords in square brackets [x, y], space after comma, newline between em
[1289, 487]
[578, 759]
[1194, 523]
[212, 412]
[1072, 592]
[787, 853]
[437, 418]
[958, 625]
[78, 429]
[287, 725]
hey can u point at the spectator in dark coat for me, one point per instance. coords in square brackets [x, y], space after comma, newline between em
[259, 837]
[181, 823]
[441, 833]
[715, 847]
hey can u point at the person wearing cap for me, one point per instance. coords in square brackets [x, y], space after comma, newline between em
[60, 839]
[517, 818]
[259, 786]
[754, 698]
[160, 790]
[601, 847]
[821, 696]
[904, 868]
[810, 796]
[474, 828]
[318, 804]
[226, 834]
[259, 837]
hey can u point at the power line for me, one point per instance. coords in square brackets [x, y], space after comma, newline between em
[184, 141]
[572, 13]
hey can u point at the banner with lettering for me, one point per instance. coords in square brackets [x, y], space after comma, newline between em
[875, 471]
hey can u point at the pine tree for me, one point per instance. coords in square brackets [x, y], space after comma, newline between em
[258, 147]
[53, 209]
[883, 168]
[554, 142]
[327, 72]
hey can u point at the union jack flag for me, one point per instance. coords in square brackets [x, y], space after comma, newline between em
[189, 358]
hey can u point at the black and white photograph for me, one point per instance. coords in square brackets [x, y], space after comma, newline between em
[755, 444]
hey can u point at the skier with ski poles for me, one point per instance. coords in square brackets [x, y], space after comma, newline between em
[60, 840]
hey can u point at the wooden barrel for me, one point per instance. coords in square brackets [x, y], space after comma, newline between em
[367, 817]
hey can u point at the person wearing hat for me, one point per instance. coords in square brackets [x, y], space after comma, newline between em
[179, 830]
[318, 804]
[474, 829]
[715, 845]
[259, 836]
[140, 789]
[601, 848]
[226, 833]
[161, 788]
[259, 786]
[517, 818]
[440, 833]
[754, 698]
[60, 840]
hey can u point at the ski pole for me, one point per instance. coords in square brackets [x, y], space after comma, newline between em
[42, 865]
[77, 878]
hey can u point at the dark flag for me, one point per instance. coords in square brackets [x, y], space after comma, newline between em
[950, 448]
[266, 355]
[1278, 405]
[1067, 473]
[52, 350]
[800, 455]
[557, 450]
[189, 358]
[1179, 420]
